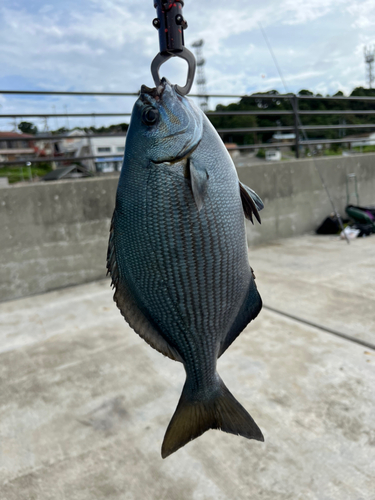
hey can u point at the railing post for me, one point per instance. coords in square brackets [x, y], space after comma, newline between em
[296, 129]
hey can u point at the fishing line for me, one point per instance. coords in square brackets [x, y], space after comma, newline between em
[303, 132]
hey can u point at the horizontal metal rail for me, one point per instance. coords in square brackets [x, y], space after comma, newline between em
[344, 140]
[41, 137]
[209, 113]
[252, 129]
[282, 128]
[213, 96]
[63, 115]
[336, 98]
[56, 138]
[332, 127]
[94, 115]
[290, 144]
[58, 159]
[339, 112]
[248, 113]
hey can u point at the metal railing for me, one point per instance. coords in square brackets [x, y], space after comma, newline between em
[297, 127]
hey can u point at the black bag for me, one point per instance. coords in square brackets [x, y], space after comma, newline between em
[329, 226]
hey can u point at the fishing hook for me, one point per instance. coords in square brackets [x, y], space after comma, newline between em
[171, 24]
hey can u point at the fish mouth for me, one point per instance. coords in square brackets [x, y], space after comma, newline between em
[154, 92]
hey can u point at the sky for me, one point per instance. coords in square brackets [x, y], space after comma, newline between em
[108, 45]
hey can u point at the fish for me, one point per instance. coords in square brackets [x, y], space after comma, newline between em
[178, 255]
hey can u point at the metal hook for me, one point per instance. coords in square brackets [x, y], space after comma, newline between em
[184, 54]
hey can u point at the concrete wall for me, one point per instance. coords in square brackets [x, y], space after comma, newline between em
[55, 234]
[294, 198]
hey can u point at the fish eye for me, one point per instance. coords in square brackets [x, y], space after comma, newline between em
[150, 116]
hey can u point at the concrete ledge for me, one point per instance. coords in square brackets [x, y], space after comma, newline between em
[55, 234]
[295, 200]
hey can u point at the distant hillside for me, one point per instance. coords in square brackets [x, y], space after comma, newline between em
[250, 103]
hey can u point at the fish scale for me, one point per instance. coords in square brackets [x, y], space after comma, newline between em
[178, 255]
[162, 188]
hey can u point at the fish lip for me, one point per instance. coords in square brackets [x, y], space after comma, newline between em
[155, 92]
[148, 94]
[186, 155]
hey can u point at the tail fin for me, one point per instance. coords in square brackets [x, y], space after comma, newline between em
[193, 417]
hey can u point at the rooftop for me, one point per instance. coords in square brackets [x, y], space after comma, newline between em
[85, 402]
[5, 135]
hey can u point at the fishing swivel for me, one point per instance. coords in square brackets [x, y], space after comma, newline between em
[171, 24]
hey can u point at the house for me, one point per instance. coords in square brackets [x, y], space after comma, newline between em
[358, 140]
[280, 137]
[108, 150]
[16, 146]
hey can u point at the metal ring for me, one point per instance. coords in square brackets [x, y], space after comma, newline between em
[162, 58]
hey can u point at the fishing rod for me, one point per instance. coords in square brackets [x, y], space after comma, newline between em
[304, 134]
[171, 25]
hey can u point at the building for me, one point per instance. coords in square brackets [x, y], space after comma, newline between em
[359, 140]
[279, 137]
[16, 146]
[273, 155]
[108, 150]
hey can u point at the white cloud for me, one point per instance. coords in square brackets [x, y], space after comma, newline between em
[363, 13]
[99, 45]
[304, 11]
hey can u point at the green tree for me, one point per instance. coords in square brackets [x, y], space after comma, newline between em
[28, 128]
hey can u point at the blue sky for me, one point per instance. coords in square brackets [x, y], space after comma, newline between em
[108, 45]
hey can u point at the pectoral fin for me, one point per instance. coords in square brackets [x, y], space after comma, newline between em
[251, 203]
[199, 182]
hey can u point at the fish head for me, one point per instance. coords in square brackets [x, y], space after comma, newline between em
[165, 126]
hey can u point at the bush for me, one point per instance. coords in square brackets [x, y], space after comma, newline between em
[19, 173]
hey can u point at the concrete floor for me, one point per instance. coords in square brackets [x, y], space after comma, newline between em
[84, 402]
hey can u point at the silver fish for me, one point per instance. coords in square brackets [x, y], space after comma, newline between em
[178, 255]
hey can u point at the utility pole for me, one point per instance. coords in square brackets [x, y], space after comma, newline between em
[201, 78]
[369, 60]
[67, 117]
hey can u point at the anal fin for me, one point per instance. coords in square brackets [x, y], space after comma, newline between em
[249, 310]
